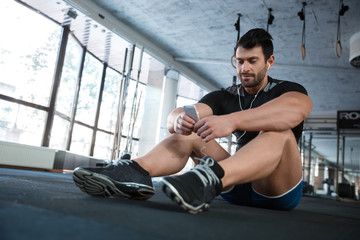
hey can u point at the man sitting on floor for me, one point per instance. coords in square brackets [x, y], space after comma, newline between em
[266, 116]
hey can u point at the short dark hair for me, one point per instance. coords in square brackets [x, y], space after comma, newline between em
[257, 37]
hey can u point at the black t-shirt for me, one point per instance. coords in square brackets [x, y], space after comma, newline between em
[226, 101]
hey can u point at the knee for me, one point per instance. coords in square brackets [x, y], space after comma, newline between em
[180, 137]
[177, 140]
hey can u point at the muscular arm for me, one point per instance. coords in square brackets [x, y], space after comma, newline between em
[281, 113]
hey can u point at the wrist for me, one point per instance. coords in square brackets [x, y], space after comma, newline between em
[233, 120]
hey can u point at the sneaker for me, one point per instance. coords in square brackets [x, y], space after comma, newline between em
[195, 189]
[125, 178]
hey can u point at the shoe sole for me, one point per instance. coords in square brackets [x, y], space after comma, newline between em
[101, 185]
[174, 195]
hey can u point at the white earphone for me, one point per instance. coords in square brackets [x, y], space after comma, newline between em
[269, 67]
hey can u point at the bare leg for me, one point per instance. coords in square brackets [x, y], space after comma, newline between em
[172, 154]
[271, 162]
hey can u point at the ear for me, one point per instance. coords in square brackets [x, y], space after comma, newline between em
[270, 61]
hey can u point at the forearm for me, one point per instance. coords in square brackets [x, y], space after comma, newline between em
[282, 113]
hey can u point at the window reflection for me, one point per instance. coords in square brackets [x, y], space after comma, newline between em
[81, 140]
[110, 99]
[15, 125]
[69, 77]
[27, 64]
[89, 91]
[59, 133]
[103, 147]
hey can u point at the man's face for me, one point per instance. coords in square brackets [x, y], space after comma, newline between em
[250, 66]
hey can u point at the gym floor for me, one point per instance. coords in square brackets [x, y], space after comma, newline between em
[47, 205]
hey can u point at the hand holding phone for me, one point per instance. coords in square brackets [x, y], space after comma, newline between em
[192, 112]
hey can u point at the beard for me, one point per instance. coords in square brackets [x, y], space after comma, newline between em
[255, 80]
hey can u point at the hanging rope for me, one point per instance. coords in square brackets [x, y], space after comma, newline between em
[124, 96]
[301, 14]
[237, 27]
[134, 108]
[117, 134]
[270, 19]
[342, 10]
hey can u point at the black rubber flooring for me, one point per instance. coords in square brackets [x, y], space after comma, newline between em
[46, 205]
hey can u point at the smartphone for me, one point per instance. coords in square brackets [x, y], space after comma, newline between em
[192, 112]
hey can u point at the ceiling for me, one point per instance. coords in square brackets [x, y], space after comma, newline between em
[197, 38]
[202, 35]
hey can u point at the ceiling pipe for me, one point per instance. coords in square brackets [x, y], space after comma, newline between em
[276, 66]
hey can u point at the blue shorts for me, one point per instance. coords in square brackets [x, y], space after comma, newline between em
[244, 194]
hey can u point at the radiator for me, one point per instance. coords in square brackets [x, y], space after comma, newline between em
[26, 156]
[16, 154]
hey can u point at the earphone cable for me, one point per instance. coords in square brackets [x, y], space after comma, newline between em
[240, 105]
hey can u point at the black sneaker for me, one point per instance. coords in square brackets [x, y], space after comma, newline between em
[195, 189]
[125, 178]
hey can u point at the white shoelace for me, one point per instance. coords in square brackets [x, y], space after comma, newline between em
[205, 167]
[122, 162]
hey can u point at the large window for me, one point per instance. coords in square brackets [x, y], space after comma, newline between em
[84, 118]
[69, 100]
[27, 62]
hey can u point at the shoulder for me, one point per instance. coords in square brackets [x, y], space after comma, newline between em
[223, 92]
[282, 86]
[219, 100]
[233, 90]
